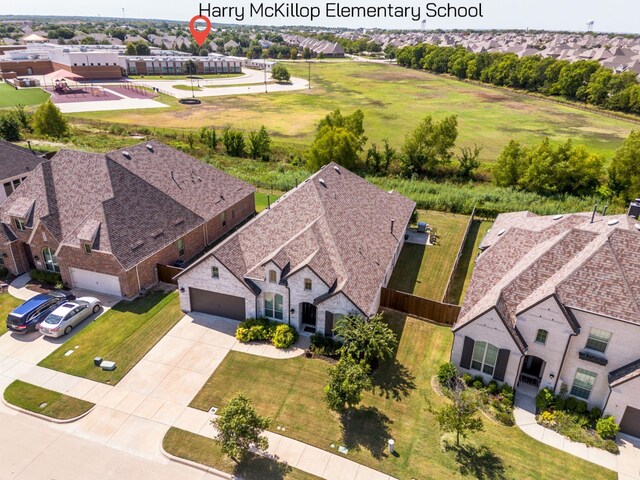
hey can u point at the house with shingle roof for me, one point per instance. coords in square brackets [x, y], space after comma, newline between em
[16, 163]
[554, 302]
[105, 221]
[324, 249]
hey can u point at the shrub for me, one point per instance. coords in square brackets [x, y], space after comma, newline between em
[595, 414]
[571, 404]
[505, 418]
[243, 334]
[467, 379]
[492, 387]
[548, 419]
[447, 373]
[544, 399]
[255, 329]
[323, 345]
[607, 428]
[47, 278]
[581, 407]
[284, 336]
[507, 395]
[560, 403]
[477, 384]
[49, 122]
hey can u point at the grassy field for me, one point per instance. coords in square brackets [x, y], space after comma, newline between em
[262, 202]
[206, 451]
[291, 393]
[124, 335]
[10, 97]
[45, 402]
[424, 270]
[187, 87]
[462, 275]
[393, 100]
[7, 303]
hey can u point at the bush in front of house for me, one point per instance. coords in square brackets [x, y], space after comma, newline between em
[447, 374]
[607, 428]
[284, 336]
[47, 278]
[4, 273]
[264, 330]
[325, 346]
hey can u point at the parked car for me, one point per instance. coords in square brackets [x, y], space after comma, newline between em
[68, 315]
[26, 317]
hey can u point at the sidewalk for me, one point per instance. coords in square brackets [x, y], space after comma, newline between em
[524, 413]
[18, 288]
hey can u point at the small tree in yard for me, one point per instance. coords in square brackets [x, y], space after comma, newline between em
[348, 379]
[259, 144]
[460, 415]
[233, 141]
[280, 73]
[240, 428]
[10, 128]
[49, 122]
[365, 339]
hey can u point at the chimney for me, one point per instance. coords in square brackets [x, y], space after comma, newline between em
[634, 209]
[392, 223]
[593, 215]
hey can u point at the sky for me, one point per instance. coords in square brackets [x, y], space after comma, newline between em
[609, 16]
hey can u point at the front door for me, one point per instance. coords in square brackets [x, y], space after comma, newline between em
[29, 256]
[308, 317]
[532, 369]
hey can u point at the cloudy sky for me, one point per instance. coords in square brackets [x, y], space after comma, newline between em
[609, 16]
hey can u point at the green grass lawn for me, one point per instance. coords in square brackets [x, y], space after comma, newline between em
[393, 100]
[188, 87]
[45, 402]
[124, 335]
[462, 275]
[424, 270]
[291, 393]
[7, 303]
[206, 451]
[10, 97]
[262, 202]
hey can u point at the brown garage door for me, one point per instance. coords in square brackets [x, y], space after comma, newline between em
[630, 423]
[217, 304]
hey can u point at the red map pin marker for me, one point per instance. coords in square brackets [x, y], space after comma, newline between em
[200, 36]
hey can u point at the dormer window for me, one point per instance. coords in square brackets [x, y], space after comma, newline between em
[273, 276]
[19, 224]
[87, 247]
[307, 284]
[541, 336]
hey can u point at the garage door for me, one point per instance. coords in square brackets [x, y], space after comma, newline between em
[95, 282]
[630, 423]
[215, 303]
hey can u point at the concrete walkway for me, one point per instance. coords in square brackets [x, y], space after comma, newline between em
[524, 413]
[18, 288]
[134, 415]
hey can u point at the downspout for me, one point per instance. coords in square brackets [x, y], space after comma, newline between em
[138, 276]
[606, 402]
[564, 355]
[204, 233]
[517, 379]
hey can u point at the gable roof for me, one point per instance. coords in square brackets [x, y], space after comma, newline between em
[624, 374]
[584, 265]
[16, 160]
[335, 223]
[130, 203]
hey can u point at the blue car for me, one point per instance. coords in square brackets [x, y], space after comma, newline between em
[27, 316]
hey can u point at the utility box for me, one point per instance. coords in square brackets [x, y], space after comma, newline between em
[97, 361]
[392, 445]
[422, 227]
[634, 209]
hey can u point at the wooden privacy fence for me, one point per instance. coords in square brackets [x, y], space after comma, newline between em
[443, 313]
[167, 272]
[447, 291]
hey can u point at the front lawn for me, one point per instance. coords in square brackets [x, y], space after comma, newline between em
[124, 335]
[424, 270]
[7, 303]
[291, 393]
[10, 97]
[45, 402]
[206, 451]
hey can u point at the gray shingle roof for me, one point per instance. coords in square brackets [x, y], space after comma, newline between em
[15, 160]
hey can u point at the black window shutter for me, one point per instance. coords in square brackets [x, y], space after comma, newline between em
[501, 365]
[467, 352]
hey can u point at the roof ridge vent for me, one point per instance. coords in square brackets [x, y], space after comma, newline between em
[501, 232]
[126, 154]
[149, 147]
[613, 222]
[336, 168]
[322, 182]
[558, 217]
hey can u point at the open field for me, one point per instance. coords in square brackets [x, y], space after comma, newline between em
[10, 97]
[206, 451]
[7, 303]
[393, 100]
[424, 270]
[291, 393]
[124, 335]
[45, 402]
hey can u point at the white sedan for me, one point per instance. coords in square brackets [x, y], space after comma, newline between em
[68, 315]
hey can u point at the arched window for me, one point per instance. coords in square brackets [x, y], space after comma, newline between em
[50, 260]
[273, 306]
[541, 336]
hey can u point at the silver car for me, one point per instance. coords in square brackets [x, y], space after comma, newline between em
[68, 315]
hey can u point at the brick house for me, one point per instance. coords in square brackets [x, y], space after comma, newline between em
[554, 302]
[324, 249]
[15, 164]
[104, 221]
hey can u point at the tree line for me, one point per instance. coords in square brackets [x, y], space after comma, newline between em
[584, 80]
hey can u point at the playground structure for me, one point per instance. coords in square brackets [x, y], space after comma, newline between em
[62, 88]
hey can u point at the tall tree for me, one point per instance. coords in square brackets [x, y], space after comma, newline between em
[259, 144]
[280, 73]
[240, 428]
[624, 172]
[365, 339]
[339, 138]
[347, 380]
[49, 122]
[428, 147]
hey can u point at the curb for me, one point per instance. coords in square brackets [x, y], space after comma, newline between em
[196, 465]
[44, 417]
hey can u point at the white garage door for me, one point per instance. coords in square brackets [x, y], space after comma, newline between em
[96, 282]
